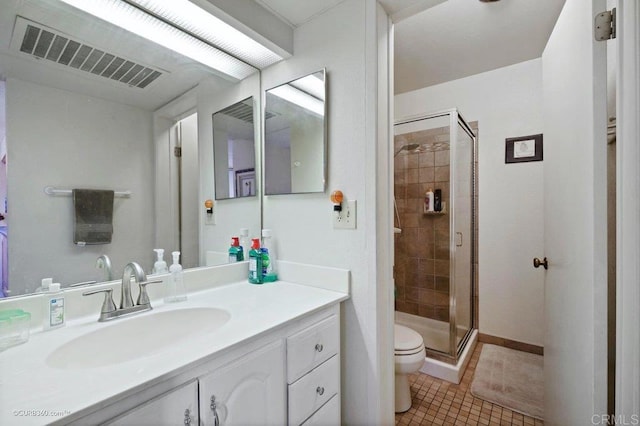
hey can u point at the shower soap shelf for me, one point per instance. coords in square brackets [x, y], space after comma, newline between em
[441, 212]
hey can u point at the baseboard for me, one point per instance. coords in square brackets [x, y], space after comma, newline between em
[511, 344]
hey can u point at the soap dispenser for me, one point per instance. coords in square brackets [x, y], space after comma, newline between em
[176, 291]
[160, 267]
[53, 307]
[44, 285]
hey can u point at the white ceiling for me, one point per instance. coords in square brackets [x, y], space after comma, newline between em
[402, 9]
[297, 12]
[442, 40]
[459, 38]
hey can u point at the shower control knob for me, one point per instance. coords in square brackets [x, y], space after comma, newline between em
[537, 263]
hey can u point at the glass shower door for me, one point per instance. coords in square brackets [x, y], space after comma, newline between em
[462, 232]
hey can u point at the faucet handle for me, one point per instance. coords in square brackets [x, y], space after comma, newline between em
[143, 297]
[107, 305]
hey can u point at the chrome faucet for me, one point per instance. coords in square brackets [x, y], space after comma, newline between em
[131, 270]
[109, 310]
[103, 262]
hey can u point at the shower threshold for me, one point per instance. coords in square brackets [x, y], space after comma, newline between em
[436, 337]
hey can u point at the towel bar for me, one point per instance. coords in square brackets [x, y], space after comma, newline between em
[50, 190]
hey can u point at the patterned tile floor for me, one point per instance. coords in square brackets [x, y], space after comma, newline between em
[437, 402]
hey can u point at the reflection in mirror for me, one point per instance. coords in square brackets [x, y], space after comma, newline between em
[231, 215]
[85, 104]
[234, 151]
[295, 136]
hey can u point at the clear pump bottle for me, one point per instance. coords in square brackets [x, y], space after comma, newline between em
[176, 291]
[160, 267]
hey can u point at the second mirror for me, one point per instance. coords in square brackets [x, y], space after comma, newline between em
[295, 136]
[234, 151]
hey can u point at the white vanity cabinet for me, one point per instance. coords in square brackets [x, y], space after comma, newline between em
[176, 407]
[249, 391]
[287, 375]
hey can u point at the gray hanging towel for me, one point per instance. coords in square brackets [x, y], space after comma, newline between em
[93, 216]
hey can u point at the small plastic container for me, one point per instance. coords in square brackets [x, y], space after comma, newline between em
[14, 327]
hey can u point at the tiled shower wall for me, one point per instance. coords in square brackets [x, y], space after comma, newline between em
[422, 248]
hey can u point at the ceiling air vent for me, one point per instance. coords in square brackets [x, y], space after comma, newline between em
[42, 42]
[244, 111]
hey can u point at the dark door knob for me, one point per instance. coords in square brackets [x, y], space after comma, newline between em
[537, 263]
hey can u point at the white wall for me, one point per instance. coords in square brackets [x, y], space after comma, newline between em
[344, 41]
[506, 102]
[67, 140]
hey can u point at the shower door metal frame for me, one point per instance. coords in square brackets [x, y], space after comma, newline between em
[456, 118]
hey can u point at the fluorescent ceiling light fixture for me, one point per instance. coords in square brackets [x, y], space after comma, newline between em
[312, 84]
[134, 20]
[200, 23]
[298, 97]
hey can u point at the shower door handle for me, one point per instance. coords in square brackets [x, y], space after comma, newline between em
[537, 263]
[458, 239]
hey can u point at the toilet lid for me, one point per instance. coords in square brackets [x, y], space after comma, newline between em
[407, 339]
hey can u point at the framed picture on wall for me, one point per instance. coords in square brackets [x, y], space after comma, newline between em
[245, 183]
[523, 149]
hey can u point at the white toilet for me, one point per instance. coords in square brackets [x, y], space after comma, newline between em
[409, 357]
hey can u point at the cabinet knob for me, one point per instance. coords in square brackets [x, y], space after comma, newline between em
[319, 347]
[320, 390]
[187, 417]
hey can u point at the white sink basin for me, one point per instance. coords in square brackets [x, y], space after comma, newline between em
[136, 337]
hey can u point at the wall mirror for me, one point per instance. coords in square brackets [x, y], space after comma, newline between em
[295, 136]
[86, 104]
[234, 154]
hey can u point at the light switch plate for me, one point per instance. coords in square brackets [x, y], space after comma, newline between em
[209, 219]
[345, 219]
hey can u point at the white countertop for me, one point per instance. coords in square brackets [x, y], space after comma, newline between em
[29, 385]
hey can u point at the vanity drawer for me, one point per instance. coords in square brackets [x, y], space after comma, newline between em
[313, 390]
[311, 347]
[328, 415]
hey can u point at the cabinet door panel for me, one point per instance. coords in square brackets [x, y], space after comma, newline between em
[167, 409]
[249, 391]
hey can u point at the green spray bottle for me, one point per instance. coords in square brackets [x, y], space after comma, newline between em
[235, 255]
[255, 262]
